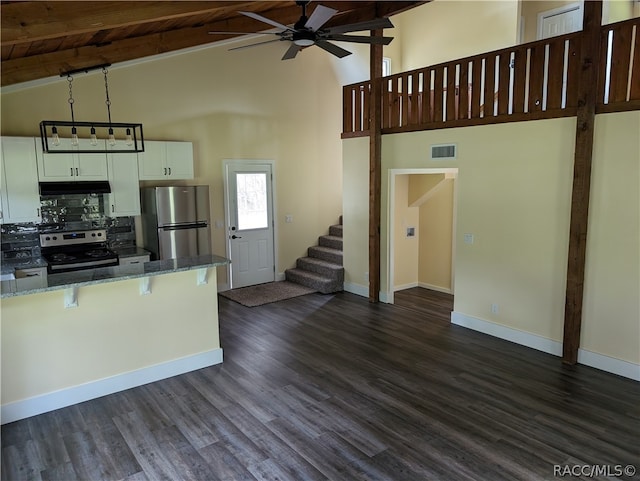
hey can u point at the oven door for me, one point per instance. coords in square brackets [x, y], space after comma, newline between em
[80, 265]
[184, 241]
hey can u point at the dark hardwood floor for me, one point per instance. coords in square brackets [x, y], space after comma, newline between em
[432, 305]
[331, 387]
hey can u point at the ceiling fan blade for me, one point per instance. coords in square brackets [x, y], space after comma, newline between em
[359, 39]
[255, 44]
[266, 20]
[331, 48]
[291, 52]
[374, 24]
[319, 17]
[244, 33]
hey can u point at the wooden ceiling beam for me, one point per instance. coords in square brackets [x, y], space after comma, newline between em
[54, 63]
[20, 68]
[35, 21]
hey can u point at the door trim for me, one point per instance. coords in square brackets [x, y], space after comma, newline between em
[390, 265]
[226, 163]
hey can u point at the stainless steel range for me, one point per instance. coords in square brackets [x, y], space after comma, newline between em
[67, 251]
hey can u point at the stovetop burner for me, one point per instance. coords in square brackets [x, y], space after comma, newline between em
[73, 250]
[62, 257]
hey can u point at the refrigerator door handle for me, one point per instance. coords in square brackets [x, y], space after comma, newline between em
[198, 225]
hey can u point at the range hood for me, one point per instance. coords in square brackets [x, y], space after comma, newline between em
[81, 187]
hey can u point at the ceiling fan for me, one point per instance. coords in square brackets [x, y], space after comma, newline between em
[308, 31]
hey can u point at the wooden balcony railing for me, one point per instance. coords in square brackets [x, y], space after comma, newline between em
[537, 80]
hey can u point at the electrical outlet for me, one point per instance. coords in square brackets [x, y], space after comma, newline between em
[495, 308]
[288, 219]
[468, 238]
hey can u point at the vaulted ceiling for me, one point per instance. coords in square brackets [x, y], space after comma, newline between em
[42, 39]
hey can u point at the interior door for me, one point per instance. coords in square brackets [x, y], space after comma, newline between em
[250, 223]
[560, 21]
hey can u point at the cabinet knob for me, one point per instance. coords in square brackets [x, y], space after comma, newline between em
[169, 170]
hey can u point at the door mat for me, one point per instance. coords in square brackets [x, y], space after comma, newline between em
[260, 294]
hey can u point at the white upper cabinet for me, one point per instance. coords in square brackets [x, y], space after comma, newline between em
[166, 160]
[124, 199]
[20, 196]
[72, 166]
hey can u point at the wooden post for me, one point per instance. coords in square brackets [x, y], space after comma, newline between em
[587, 96]
[375, 167]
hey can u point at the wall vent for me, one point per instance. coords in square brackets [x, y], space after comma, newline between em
[444, 152]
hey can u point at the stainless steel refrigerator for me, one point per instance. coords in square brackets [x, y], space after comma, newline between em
[175, 221]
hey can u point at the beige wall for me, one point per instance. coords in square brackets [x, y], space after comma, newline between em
[611, 322]
[355, 168]
[405, 253]
[436, 237]
[114, 330]
[444, 30]
[514, 197]
[244, 104]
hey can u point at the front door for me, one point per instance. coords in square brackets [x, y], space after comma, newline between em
[250, 222]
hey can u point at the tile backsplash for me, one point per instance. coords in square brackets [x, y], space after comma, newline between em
[64, 209]
[66, 212]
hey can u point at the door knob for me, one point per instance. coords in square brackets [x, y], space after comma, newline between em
[236, 237]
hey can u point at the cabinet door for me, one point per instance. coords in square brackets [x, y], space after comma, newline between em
[91, 166]
[180, 160]
[20, 192]
[124, 198]
[152, 162]
[55, 167]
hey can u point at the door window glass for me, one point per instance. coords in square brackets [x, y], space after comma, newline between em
[252, 201]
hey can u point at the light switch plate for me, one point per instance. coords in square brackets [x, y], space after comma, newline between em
[468, 238]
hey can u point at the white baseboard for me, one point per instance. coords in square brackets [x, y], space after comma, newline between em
[405, 286]
[587, 358]
[91, 390]
[610, 364]
[280, 276]
[363, 291]
[424, 285]
[357, 289]
[432, 287]
[508, 333]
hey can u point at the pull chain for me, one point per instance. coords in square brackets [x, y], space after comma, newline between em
[71, 101]
[74, 132]
[106, 89]
[112, 139]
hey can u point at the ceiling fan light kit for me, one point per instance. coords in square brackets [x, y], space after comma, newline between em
[308, 31]
[120, 137]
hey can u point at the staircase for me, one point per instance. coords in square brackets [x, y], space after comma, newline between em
[322, 268]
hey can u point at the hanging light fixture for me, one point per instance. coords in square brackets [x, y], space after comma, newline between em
[116, 137]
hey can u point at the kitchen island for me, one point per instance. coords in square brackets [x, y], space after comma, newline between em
[89, 333]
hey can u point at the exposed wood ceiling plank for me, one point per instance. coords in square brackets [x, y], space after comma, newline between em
[44, 39]
[32, 21]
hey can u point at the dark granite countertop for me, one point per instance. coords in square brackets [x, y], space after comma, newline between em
[10, 266]
[52, 282]
[131, 251]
